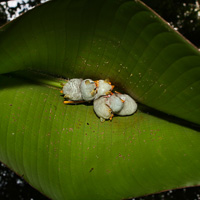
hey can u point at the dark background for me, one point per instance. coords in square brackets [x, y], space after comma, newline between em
[184, 16]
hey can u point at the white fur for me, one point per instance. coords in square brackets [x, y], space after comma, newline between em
[86, 89]
[130, 106]
[115, 103]
[103, 88]
[101, 109]
[72, 89]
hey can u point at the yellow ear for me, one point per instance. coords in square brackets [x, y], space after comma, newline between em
[96, 83]
[93, 92]
[67, 96]
[107, 81]
[87, 82]
[109, 92]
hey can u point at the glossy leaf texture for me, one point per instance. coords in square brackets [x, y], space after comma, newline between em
[120, 40]
[67, 153]
[64, 151]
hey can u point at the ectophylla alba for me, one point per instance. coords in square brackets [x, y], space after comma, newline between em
[119, 104]
[104, 87]
[80, 91]
[102, 110]
[130, 106]
[88, 89]
[106, 103]
[72, 91]
[114, 103]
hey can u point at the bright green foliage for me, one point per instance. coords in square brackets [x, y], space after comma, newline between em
[64, 151]
[123, 41]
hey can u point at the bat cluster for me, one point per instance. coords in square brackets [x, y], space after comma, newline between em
[106, 103]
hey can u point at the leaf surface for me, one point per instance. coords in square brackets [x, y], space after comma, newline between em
[64, 151]
[67, 153]
[123, 41]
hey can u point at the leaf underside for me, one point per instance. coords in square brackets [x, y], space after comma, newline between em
[64, 151]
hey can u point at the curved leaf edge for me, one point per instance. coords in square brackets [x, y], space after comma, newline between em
[21, 176]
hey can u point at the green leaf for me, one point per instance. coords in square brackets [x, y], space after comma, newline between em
[67, 153]
[124, 41]
[64, 151]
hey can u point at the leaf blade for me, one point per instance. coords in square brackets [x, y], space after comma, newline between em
[125, 42]
[68, 151]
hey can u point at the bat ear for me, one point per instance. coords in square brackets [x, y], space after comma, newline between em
[96, 83]
[87, 82]
[107, 81]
